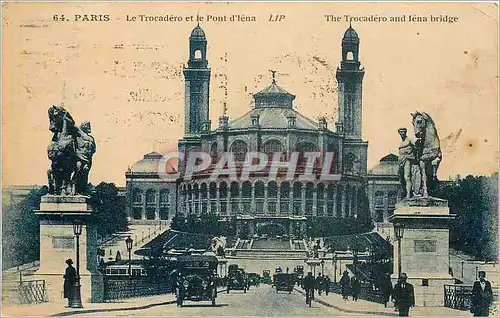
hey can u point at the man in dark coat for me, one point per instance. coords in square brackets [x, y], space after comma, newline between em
[355, 288]
[327, 282]
[345, 285]
[69, 281]
[309, 283]
[386, 288]
[404, 295]
[482, 296]
[319, 283]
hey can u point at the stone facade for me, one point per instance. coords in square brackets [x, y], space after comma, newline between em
[149, 197]
[383, 193]
[272, 126]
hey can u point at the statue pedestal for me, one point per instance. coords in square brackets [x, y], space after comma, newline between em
[58, 243]
[424, 247]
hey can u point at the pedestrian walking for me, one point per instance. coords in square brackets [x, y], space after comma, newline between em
[355, 288]
[386, 288]
[404, 296]
[69, 282]
[328, 282]
[319, 283]
[482, 296]
[345, 285]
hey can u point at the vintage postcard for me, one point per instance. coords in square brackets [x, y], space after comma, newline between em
[250, 159]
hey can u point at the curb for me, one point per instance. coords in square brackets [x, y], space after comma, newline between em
[142, 307]
[324, 303]
[88, 311]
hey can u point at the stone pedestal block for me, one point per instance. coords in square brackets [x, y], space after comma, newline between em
[58, 243]
[424, 247]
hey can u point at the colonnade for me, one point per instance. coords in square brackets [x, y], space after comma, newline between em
[262, 198]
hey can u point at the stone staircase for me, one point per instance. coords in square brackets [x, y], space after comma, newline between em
[11, 278]
[268, 249]
[141, 234]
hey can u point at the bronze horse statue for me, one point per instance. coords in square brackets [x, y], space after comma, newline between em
[61, 151]
[428, 150]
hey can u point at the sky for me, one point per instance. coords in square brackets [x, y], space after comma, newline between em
[126, 77]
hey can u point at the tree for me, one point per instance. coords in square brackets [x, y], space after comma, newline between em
[108, 209]
[21, 230]
[474, 201]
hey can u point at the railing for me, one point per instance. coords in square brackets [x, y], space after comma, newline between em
[457, 296]
[118, 288]
[32, 291]
[367, 292]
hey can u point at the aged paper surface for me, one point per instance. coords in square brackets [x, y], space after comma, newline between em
[127, 69]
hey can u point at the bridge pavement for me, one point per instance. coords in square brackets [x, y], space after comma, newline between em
[258, 301]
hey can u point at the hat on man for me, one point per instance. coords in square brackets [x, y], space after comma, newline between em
[69, 261]
[403, 276]
[402, 129]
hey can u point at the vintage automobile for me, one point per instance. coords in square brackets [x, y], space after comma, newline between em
[196, 278]
[237, 281]
[266, 277]
[284, 282]
[253, 279]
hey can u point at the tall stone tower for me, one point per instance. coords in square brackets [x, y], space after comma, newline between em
[350, 85]
[197, 78]
[196, 98]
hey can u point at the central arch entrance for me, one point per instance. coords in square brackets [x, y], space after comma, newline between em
[271, 228]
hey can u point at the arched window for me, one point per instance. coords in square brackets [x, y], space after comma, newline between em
[150, 196]
[392, 198]
[137, 195]
[302, 148]
[349, 161]
[297, 190]
[213, 150]
[197, 54]
[223, 190]
[379, 198]
[164, 196]
[235, 189]
[213, 190]
[272, 146]
[350, 56]
[239, 149]
[379, 206]
[272, 189]
[259, 190]
[306, 147]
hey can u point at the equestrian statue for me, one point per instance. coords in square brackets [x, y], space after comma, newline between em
[70, 152]
[419, 159]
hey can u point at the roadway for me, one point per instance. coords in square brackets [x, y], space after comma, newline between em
[258, 301]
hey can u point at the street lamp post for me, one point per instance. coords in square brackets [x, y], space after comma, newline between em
[77, 296]
[128, 242]
[334, 267]
[399, 231]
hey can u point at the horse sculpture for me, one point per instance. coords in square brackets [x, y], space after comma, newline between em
[70, 152]
[428, 151]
